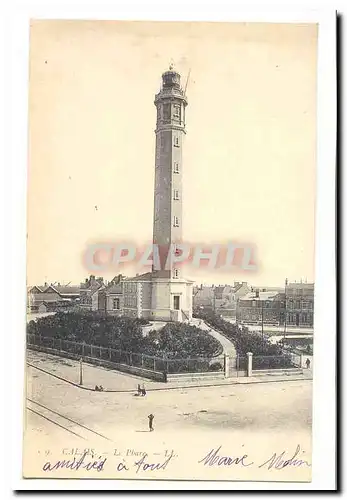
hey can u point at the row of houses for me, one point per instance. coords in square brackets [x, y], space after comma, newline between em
[93, 294]
[121, 296]
[51, 297]
[292, 305]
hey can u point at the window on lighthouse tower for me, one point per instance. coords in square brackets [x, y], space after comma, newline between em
[177, 112]
[166, 112]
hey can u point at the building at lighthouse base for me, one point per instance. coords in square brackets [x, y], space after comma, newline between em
[158, 299]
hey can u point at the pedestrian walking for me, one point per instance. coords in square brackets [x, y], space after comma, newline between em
[150, 422]
[143, 390]
[308, 363]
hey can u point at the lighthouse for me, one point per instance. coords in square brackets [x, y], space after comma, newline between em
[169, 135]
[164, 294]
[171, 293]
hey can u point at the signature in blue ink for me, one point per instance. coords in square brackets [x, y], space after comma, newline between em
[144, 465]
[280, 461]
[75, 464]
[214, 458]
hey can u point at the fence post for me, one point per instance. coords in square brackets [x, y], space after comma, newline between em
[142, 360]
[130, 359]
[226, 365]
[60, 344]
[154, 364]
[249, 364]
[109, 353]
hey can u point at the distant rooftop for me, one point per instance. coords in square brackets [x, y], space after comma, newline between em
[262, 295]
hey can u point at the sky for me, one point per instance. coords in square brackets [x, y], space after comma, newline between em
[249, 156]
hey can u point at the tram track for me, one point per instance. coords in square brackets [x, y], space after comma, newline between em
[62, 421]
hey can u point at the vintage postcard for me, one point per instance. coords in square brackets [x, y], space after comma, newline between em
[171, 250]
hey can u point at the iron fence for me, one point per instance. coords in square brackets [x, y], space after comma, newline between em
[154, 363]
[274, 362]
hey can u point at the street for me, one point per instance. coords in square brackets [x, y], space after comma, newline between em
[252, 407]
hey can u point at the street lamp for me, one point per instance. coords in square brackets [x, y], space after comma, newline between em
[81, 372]
[262, 322]
[285, 310]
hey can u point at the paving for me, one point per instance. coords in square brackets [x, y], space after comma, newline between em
[225, 408]
[228, 346]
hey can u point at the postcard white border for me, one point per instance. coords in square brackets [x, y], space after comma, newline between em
[16, 64]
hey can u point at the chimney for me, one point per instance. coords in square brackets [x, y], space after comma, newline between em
[86, 281]
[58, 284]
[92, 278]
[46, 284]
[257, 293]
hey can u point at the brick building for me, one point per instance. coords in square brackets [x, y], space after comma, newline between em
[298, 300]
[259, 307]
[292, 306]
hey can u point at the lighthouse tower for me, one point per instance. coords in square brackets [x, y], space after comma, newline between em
[171, 293]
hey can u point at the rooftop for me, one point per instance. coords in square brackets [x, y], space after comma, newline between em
[262, 296]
